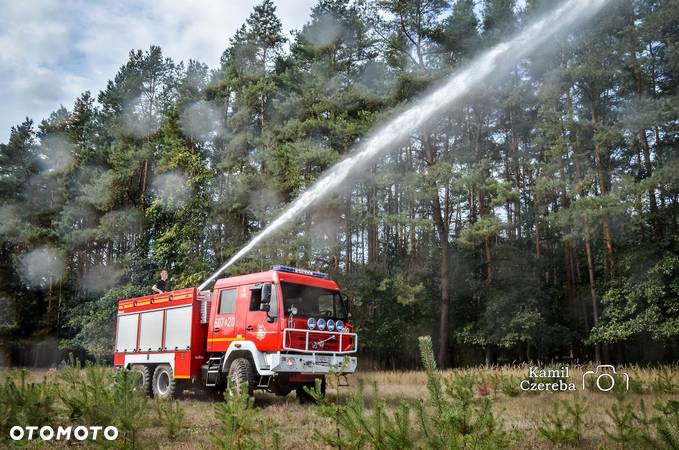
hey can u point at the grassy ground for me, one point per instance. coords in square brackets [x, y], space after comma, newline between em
[516, 410]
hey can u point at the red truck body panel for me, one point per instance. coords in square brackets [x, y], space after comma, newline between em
[187, 361]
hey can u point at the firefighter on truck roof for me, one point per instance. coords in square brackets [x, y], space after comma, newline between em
[161, 285]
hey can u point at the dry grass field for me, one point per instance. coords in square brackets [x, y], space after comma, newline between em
[518, 412]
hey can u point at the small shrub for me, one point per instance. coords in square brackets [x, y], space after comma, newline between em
[451, 416]
[236, 418]
[636, 386]
[25, 403]
[357, 427]
[127, 409]
[624, 430]
[171, 416]
[564, 424]
[664, 382]
[510, 386]
[83, 391]
[634, 428]
[667, 425]
[459, 420]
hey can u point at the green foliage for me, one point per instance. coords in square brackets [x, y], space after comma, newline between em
[667, 426]
[83, 391]
[171, 416]
[623, 419]
[665, 381]
[237, 422]
[451, 417]
[356, 427]
[564, 425]
[25, 403]
[458, 419]
[88, 396]
[127, 409]
[510, 386]
[646, 304]
[240, 426]
[94, 395]
[633, 426]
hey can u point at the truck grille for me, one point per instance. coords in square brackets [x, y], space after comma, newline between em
[318, 341]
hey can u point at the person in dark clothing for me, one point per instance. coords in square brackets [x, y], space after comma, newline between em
[161, 285]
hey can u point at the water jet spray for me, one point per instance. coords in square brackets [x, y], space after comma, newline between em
[495, 61]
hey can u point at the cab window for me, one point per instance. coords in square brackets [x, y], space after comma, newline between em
[227, 301]
[256, 301]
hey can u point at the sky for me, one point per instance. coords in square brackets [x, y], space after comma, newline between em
[53, 50]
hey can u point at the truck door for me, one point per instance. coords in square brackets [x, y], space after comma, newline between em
[224, 324]
[262, 323]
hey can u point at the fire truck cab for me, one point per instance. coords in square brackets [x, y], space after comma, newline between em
[278, 330]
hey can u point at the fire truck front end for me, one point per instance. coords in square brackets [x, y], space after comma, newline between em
[279, 330]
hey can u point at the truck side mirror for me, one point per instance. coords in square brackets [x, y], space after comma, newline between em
[265, 307]
[266, 294]
[345, 303]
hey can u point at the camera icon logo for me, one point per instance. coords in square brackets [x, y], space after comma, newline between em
[605, 377]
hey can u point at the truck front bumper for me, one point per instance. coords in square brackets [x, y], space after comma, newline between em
[311, 363]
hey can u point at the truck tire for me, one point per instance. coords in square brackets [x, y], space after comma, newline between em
[303, 397]
[164, 384]
[144, 381]
[241, 377]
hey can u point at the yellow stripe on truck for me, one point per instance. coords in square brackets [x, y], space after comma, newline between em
[225, 339]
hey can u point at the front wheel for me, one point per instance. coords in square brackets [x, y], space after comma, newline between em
[241, 377]
[164, 384]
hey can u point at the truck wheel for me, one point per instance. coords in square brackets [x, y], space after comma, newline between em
[164, 384]
[302, 395]
[144, 381]
[241, 377]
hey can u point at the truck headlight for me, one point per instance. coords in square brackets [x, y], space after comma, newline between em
[331, 325]
[339, 325]
[311, 323]
[321, 324]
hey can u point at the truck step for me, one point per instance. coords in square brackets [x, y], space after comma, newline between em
[264, 381]
[214, 369]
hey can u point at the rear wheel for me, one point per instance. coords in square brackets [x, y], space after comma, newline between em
[144, 380]
[164, 384]
[241, 377]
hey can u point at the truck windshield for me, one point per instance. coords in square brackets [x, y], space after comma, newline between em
[312, 301]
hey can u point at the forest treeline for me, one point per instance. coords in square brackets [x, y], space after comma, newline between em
[535, 220]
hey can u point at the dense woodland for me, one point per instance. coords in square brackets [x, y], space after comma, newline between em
[537, 221]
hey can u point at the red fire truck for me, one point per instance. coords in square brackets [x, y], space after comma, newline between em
[277, 330]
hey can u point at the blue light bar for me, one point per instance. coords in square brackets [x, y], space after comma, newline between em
[300, 271]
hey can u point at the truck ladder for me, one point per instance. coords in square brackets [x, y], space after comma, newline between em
[214, 369]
